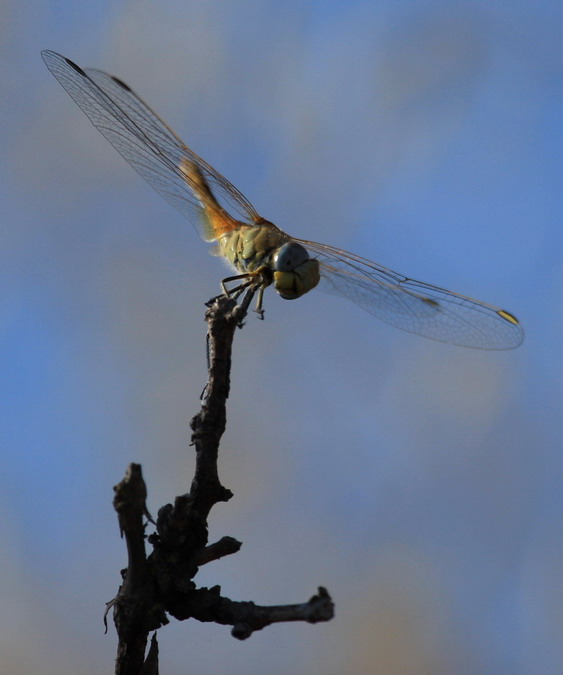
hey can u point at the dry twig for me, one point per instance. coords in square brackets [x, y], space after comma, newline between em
[162, 583]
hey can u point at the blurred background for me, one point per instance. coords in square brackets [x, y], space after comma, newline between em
[419, 482]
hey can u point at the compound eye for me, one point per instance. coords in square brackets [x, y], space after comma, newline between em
[289, 257]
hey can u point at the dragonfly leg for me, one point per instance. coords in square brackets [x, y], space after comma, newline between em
[258, 309]
[235, 292]
[252, 283]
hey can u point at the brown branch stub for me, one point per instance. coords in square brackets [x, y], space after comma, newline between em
[136, 607]
[319, 608]
[207, 604]
[225, 546]
[129, 500]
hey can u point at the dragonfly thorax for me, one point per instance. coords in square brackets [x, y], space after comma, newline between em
[264, 247]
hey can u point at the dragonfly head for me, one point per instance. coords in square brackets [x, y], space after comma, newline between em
[295, 273]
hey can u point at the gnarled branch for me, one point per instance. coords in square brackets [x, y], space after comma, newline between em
[162, 583]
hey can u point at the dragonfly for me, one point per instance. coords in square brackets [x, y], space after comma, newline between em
[261, 253]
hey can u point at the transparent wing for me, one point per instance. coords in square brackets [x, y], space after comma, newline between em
[208, 199]
[148, 143]
[415, 306]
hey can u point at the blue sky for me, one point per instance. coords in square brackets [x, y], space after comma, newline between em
[421, 483]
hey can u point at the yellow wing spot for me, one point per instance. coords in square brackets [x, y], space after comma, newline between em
[508, 317]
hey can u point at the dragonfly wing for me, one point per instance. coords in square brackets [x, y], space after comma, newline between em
[415, 306]
[147, 142]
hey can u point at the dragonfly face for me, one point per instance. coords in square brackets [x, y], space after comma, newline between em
[260, 252]
[295, 272]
